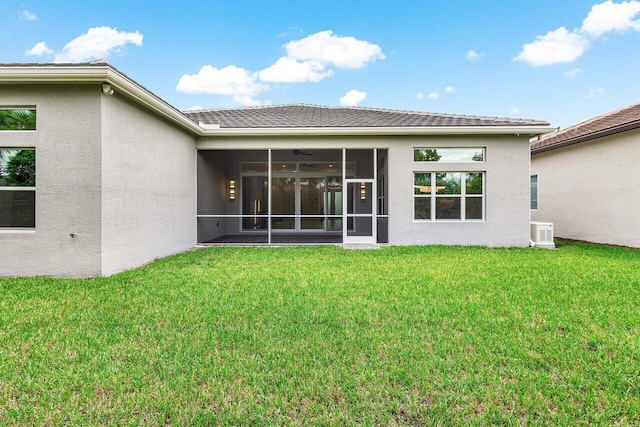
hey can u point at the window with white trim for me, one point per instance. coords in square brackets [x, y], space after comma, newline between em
[534, 192]
[448, 196]
[17, 188]
[449, 155]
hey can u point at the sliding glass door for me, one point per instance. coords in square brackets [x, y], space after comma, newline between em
[304, 203]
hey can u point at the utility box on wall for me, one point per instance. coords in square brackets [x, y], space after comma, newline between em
[542, 234]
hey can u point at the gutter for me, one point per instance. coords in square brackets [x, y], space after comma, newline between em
[211, 130]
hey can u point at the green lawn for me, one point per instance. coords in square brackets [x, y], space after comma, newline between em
[322, 335]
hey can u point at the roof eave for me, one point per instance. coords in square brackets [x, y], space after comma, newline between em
[371, 131]
[43, 74]
[595, 135]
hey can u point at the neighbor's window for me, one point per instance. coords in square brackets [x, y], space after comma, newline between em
[448, 196]
[17, 188]
[448, 155]
[17, 119]
[534, 191]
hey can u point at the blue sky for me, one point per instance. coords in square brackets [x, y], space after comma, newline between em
[563, 62]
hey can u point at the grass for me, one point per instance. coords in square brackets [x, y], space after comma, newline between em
[320, 335]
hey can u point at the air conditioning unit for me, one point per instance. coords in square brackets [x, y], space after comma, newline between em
[542, 235]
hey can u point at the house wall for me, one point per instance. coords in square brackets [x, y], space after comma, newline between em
[68, 182]
[591, 190]
[506, 183]
[148, 186]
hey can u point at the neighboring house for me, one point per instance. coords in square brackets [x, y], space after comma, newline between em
[121, 177]
[588, 179]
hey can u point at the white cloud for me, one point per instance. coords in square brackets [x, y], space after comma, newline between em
[246, 100]
[97, 43]
[353, 98]
[554, 47]
[515, 111]
[562, 45]
[420, 95]
[39, 49]
[230, 80]
[326, 48]
[289, 70]
[195, 108]
[307, 60]
[593, 92]
[450, 89]
[28, 16]
[433, 96]
[609, 16]
[472, 55]
[573, 73]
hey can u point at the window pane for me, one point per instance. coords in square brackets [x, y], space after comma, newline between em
[17, 167]
[448, 155]
[534, 192]
[284, 167]
[253, 167]
[422, 183]
[448, 183]
[283, 196]
[281, 223]
[473, 208]
[474, 183]
[18, 119]
[254, 202]
[422, 208]
[448, 208]
[17, 209]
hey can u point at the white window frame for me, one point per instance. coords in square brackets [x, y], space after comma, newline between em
[463, 197]
[483, 150]
[19, 188]
[531, 199]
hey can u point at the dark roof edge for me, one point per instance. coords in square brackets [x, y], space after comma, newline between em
[583, 138]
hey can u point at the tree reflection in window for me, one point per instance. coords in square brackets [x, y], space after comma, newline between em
[17, 168]
[18, 119]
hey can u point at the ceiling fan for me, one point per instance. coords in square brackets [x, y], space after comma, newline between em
[300, 153]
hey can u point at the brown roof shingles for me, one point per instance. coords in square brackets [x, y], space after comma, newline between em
[304, 115]
[621, 120]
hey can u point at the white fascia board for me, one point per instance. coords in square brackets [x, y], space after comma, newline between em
[136, 92]
[372, 131]
[97, 74]
[52, 74]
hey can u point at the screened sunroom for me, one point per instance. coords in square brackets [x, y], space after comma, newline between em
[292, 196]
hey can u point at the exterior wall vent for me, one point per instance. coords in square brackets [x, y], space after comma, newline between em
[542, 235]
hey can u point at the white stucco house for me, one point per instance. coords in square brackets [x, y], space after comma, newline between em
[116, 177]
[588, 179]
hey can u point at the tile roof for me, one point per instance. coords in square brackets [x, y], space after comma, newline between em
[304, 115]
[621, 120]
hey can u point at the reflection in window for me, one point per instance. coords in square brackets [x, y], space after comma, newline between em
[17, 187]
[534, 192]
[448, 199]
[448, 155]
[17, 119]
